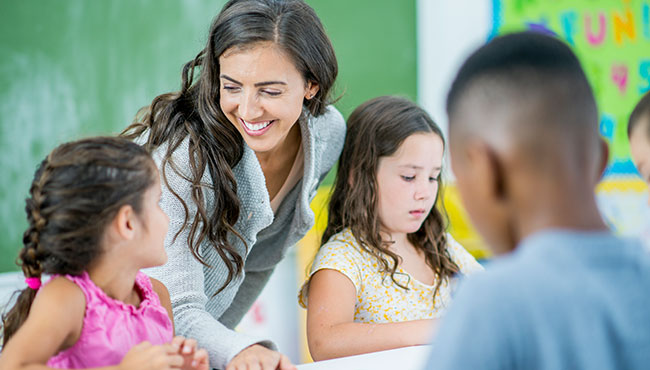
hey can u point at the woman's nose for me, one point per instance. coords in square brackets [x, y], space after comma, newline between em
[249, 107]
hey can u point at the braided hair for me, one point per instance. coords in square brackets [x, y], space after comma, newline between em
[76, 192]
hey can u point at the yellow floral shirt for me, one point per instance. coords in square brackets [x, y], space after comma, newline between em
[379, 299]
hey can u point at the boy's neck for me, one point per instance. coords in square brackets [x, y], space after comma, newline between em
[571, 206]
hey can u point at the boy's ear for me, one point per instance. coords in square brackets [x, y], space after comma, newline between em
[499, 175]
[604, 158]
[124, 222]
[489, 169]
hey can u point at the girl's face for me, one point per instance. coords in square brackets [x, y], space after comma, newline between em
[262, 94]
[153, 224]
[407, 183]
[640, 149]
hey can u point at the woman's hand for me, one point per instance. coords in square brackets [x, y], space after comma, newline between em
[146, 356]
[257, 357]
[193, 358]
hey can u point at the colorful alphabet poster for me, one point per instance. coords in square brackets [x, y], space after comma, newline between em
[612, 40]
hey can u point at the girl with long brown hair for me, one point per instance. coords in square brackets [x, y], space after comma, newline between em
[242, 148]
[94, 223]
[384, 272]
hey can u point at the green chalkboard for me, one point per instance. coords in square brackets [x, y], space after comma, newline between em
[375, 43]
[70, 69]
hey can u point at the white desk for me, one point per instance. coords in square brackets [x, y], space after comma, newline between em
[407, 358]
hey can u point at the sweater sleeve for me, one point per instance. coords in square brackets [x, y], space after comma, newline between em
[248, 292]
[183, 275]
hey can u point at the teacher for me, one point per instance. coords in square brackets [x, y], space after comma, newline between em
[241, 149]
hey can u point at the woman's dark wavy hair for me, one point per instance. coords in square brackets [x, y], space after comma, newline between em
[376, 129]
[76, 192]
[214, 143]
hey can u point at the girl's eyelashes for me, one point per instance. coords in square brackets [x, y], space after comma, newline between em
[411, 178]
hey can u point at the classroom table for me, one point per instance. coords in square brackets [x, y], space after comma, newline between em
[407, 358]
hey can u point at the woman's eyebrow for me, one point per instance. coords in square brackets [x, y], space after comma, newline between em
[265, 83]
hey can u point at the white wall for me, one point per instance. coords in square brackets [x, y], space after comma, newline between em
[448, 31]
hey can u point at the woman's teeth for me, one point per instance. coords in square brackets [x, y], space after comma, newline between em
[256, 126]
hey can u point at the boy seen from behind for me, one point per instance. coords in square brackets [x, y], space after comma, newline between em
[525, 148]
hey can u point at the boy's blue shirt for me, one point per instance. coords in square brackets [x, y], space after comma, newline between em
[562, 300]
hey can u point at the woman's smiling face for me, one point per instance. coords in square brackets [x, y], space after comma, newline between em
[262, 94]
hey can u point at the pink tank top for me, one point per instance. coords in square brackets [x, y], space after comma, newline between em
[111, 327]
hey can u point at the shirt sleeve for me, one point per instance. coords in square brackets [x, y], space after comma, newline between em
[465, 261]
[477, 332]
[339, 256]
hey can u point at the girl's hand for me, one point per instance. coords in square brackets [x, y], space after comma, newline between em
[260, 358]
[193, 358]
[146, 356]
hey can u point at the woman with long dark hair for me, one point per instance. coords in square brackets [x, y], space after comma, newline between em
[242, 148]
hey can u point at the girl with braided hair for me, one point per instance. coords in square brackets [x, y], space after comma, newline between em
[94, 222]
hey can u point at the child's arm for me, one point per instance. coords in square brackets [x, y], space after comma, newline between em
[331, 331]
[163, 297]
[54, 323]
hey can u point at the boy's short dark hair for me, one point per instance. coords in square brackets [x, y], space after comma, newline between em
[642, 109]
[520, 58]
[537, 81]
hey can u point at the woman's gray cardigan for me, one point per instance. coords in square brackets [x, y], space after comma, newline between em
[198, 313]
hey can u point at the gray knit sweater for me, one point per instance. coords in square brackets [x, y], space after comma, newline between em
[197, 312]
